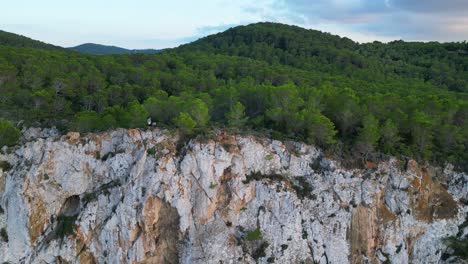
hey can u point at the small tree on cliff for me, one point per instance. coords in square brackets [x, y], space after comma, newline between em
[185, 123]
[9, 134]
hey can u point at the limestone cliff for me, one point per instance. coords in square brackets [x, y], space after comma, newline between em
[131, 196]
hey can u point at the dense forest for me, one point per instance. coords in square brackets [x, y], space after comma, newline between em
[361, 101]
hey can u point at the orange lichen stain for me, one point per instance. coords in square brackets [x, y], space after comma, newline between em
[365, 231]
[232, 240]
[209, 212]
[429, 200]
[370, 164]
[226, 202]
[87, 169]
[385, 216]
[73, 138]
[363, 234]
[162, 163]
[229, 143]
[86, 257]
[135, 135]
[98, 138]
[181, 187]
[50, 164]
[169, 145]
[160, 232]
[81, 248]
[412, 238]
[238, 204]
[38, 218]
[135, 233]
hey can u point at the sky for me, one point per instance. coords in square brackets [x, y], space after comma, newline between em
[162, 24]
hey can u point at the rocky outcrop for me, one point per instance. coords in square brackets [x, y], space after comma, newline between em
[131, 196]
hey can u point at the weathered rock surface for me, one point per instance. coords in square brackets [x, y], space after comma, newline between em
[131, 196]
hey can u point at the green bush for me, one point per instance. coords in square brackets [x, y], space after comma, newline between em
[185, 123]
[65, 225]
[4, 165]
[9, 134]
[4, 234]
[151, 151]
[86, 121]
[460, 246]
[254, 235]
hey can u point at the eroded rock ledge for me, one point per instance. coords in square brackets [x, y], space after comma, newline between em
[131, 196]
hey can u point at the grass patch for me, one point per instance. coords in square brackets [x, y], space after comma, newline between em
[254, 235]
[213, 185]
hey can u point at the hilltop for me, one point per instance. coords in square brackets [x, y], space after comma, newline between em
[15, 40]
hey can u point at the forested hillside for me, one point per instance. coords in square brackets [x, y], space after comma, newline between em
[356, 100]
[10, 39]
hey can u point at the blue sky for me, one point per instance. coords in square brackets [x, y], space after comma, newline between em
[161, 24]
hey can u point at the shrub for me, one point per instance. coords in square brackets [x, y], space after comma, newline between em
[254, 235]
[459, 246]
[9, 134]
[4, 235]
[4, 165]
[151, 151]
[260, 251]
[86, 121]
[185, 123]
[66, 225]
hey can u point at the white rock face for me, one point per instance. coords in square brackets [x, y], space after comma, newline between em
[131, 196]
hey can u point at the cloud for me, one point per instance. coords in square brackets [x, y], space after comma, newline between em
[431, 6]
[363, 20]
[208, 30]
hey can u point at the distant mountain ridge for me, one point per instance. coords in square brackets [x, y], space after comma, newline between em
[98, 49]
[16, 40]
